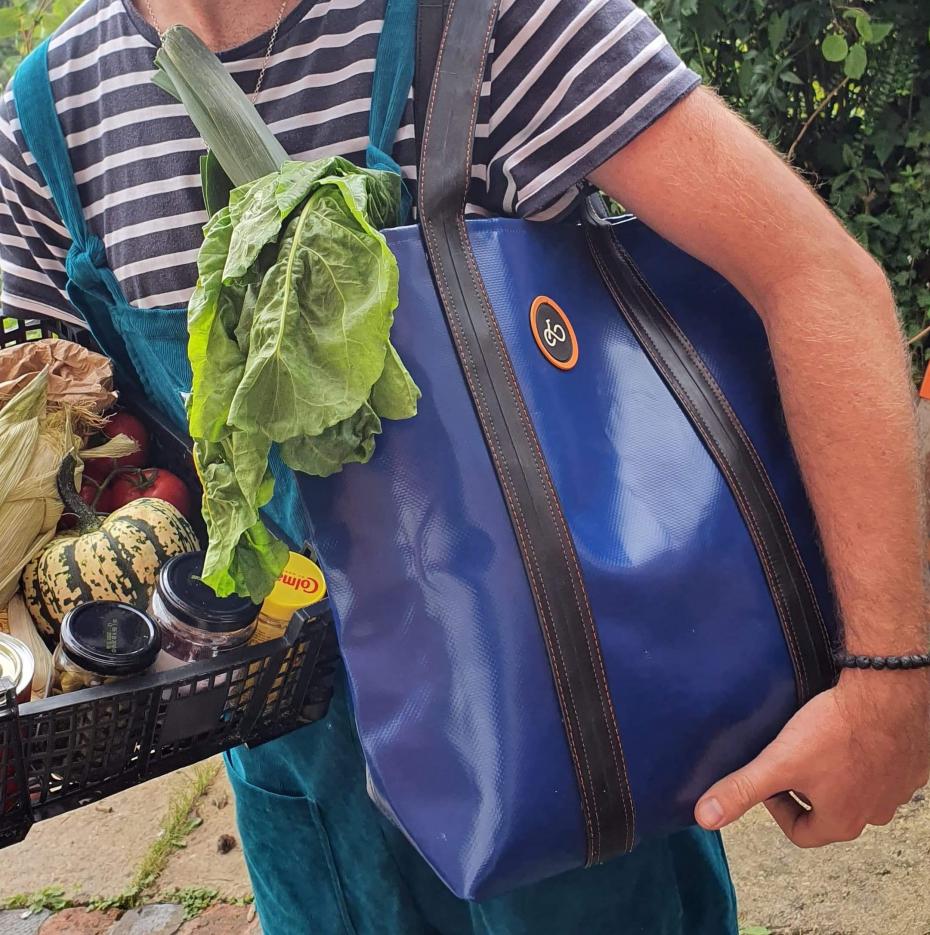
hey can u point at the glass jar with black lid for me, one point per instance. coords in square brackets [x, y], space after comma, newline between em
[196, 624]
[102, 642]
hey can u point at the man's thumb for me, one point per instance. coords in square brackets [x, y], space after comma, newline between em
[734, 795]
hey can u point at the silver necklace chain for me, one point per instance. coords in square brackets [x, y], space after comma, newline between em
[265, 62]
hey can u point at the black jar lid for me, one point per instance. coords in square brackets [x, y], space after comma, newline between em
[186, 597]
[110, 638]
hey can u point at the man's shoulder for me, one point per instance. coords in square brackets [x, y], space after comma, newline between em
[79, 29]
[93, 24]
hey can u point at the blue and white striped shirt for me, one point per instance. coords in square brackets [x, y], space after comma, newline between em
[569, 83]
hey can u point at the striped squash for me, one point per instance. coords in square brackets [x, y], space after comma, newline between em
[114, 559]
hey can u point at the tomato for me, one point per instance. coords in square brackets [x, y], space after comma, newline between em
[151, 482]
[122, 423]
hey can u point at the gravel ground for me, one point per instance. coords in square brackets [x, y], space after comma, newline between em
[878, 885]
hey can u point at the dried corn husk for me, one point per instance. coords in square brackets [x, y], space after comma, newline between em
[78, 379]
[116, 447]
[19, 623]
[33, 442]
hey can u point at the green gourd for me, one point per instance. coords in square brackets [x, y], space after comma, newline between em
[116, 558]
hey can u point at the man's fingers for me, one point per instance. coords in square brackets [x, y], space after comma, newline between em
[807, 827]
[734, 795]
[811, 831]
[786, 811]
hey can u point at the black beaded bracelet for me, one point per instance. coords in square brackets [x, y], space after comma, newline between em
[850, 661]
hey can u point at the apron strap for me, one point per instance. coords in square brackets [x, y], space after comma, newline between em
[35, 107]
[91, 286]
[390, 88]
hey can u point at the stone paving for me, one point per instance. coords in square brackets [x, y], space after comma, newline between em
[92, 854]
[155, 919]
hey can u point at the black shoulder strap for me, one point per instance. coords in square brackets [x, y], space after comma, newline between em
[703, 401]
[548, 552]
[431, 17]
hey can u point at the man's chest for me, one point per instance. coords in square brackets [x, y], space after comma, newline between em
[135, 153]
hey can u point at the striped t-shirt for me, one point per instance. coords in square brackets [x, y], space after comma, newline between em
[568, 84]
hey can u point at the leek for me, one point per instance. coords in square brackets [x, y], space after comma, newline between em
[229, 124]
[289, 325]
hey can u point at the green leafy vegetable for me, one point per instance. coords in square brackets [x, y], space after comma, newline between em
[322, 320]
[290, 323]
[215, 182]
[290, 344]
[351, 440]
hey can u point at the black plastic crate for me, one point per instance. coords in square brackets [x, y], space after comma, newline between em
[61, 753]
[65, 752]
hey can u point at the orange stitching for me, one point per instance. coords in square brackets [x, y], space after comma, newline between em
[568, 707]
[766, 480]
[555, 515]
[528, 545]
[737, 425]
[476, 280]
[568, 554]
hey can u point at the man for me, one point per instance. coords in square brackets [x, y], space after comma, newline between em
[561, 74]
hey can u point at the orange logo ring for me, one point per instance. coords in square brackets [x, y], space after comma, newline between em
[538, 302]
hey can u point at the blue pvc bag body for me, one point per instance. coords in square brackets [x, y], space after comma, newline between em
[568, 598]
[452, 689]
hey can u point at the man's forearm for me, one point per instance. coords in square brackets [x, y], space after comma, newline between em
[706, 181]
[845, 387]
[709, 183]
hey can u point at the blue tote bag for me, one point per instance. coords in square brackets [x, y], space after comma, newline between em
[584, 582]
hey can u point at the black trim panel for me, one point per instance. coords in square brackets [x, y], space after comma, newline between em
[431, 16]
[703, 401]
[548, 553]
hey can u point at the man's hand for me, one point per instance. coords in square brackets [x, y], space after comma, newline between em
[854, 753]
[704, 180]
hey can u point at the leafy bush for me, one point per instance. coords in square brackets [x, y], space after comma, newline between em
[24, 24]
[844, 90]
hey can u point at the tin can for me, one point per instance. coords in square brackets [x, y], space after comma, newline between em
[18, 665]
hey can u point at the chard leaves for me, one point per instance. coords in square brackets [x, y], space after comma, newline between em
[321, 323]
[395, 394]
[290, 344]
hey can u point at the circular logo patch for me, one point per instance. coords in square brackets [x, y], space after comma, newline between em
[553, 333]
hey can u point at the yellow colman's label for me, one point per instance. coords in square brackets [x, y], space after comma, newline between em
[310, 586]
[300, 585]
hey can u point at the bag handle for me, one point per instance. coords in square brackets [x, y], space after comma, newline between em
[449, 123]
[546, 547]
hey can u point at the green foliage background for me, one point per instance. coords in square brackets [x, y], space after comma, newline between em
[23, 24]
[844, 89]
